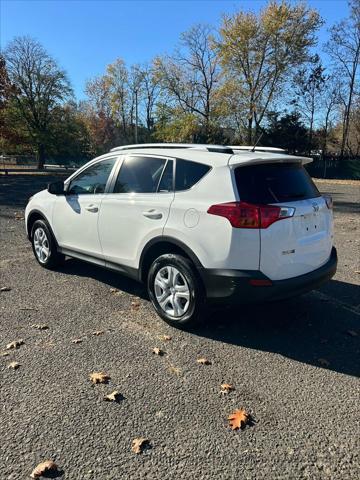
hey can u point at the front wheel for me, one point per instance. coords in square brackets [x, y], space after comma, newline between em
[44, 246]
[175, 290]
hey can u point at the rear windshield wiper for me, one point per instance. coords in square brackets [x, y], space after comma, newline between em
[293, 195]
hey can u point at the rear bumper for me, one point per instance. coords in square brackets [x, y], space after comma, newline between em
[232, 286]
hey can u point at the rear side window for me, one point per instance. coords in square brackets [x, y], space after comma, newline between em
[274, 183]
[188, 173]
[139, 175]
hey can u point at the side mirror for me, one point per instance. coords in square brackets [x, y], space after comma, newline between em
[56, 188]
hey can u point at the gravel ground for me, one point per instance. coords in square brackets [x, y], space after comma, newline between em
[294, 365]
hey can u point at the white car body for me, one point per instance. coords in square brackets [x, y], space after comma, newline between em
[116, 230]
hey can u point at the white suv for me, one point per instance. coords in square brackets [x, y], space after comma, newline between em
[198, 224]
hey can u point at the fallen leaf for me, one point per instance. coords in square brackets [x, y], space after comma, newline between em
[99, 377]
[135, 305]
[114, 396]
[44, 467]
[158, 351]
[203, 361]
[138, 444]
[238, 419]
[226, 388]
[98, 332]
[4, 354]
[76, 340]
[15, 344]
[175, 370]
[5, 289]
[19, 216]
[323, 362]
[40, 326]
[352, 333]
[165, 338]
[14, 365]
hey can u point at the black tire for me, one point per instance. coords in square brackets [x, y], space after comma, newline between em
[53, 258]
[188, 275]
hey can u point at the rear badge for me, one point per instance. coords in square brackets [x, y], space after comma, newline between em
[287, 252]
[315, 207]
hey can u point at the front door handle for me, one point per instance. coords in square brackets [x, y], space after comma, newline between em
[92, 208]
[153, 214]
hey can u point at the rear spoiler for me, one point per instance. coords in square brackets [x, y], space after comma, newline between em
[245, 160]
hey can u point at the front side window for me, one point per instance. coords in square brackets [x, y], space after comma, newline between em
[139, 175]
[93, 179]
[188, 173]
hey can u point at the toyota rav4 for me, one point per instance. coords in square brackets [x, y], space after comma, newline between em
[198, 224]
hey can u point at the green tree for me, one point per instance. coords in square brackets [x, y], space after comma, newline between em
[40, 86]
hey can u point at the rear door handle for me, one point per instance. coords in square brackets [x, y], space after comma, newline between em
[92, 208]
[153, 214]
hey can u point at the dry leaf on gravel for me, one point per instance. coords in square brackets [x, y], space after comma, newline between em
[138, 444]
[76, 340]
[98, 332]
[44, 467]
[15, 344]
[165, 338]
[238, 419]
[99, 377]
[14, 365]
[114, 396]
[135, 305]
[5, 289]
[323, 362]
[4, 354]
[226, 388]
[174, 370]
[203, 361]
[352, 333]
[158, 351]
[40, 326]
[19, 216]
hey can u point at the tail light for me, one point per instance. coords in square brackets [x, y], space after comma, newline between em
[329, 201]
[247, 215]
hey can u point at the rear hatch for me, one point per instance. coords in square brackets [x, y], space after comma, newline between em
[298, 244]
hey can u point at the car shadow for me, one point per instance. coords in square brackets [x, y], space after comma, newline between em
[111, 278]
[315, 329]
[320, 328]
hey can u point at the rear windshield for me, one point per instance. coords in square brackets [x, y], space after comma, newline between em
[274, 183]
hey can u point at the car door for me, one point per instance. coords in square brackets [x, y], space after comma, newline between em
[75, 215]
[137, 209]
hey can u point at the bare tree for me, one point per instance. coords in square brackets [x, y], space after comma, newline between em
[191, 76]
[309, 85]
[40, 86]
[344, 48]
[151, 92]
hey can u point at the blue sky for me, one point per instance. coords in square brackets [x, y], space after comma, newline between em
[86, 35]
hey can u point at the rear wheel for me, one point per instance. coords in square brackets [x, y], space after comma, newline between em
[44, 246]
[175, 290]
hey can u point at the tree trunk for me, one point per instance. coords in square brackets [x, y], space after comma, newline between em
[40, 156]
[249, 131]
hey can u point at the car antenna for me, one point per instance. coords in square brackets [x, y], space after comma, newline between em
[257, 141]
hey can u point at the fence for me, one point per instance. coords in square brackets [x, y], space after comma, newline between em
[334, 167]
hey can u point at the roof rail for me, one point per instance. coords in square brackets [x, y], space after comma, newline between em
[251, 148]
[194, 146]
